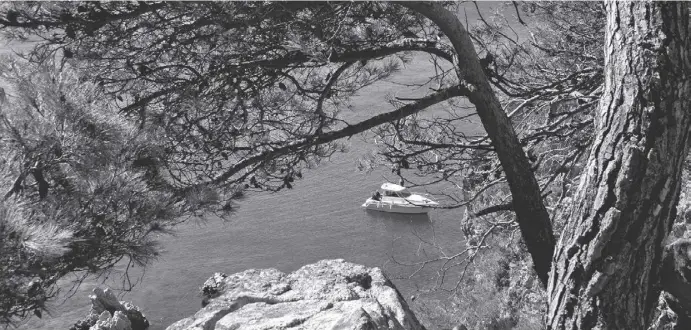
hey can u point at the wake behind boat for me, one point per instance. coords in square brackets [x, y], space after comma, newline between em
[397, 199]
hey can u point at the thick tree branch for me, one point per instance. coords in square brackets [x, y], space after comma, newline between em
[298, 57]
[327, 91]
[403, 45]
[349, 130]
[531, 213]
[495, 208]
[408, 44]
[104, 17]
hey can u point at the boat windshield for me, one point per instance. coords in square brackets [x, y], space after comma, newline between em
[403, 194]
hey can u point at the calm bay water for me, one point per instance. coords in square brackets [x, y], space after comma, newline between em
[320, 218]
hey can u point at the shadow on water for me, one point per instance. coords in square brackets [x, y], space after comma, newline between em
[420, 217]
[400, 223]
[397, 219]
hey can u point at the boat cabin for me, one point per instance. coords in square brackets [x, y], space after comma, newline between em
[394, 190]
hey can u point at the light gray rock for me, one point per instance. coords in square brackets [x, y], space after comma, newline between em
[330, 294]
[118, 321]
[108, 313]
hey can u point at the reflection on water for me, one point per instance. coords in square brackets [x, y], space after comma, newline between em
[388, 216]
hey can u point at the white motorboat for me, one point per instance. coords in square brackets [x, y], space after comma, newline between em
[397, 199]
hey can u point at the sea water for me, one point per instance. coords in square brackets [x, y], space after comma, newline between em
[320, 218]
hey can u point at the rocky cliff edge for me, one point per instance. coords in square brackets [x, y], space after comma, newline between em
[330, 294]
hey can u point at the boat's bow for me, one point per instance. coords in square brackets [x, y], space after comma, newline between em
[420, 200]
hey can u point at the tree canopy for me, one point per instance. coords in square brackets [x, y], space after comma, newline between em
[223, 97]
[242, 95]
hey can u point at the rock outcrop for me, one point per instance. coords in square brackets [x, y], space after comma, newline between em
[330, 294]
[108, 313]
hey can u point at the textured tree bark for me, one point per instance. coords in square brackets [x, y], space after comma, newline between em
[531, 214]
[607, 266]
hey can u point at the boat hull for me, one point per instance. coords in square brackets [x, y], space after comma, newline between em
[392, 207]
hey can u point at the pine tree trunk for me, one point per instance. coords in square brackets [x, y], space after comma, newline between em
[606, 270]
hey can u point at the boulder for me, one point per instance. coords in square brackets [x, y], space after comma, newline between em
[108, 313]
[330, 294]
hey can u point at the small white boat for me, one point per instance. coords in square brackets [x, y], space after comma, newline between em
[397, 199]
